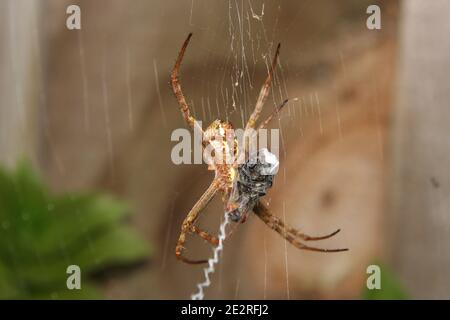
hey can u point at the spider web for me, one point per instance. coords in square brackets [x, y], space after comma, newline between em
[251, 46]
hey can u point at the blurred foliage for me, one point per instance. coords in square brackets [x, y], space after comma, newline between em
[391, 288]
[41, 234]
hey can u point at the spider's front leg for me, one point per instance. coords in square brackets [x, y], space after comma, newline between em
[289, 233]
[263, 93]
[266, 122]
[190, 120]
[188, 224]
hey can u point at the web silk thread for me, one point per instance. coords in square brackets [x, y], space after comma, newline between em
[199, 295]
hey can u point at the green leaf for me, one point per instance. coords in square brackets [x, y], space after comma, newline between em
[8, 290]
[74, 219]
[119, 245]
[41, 234]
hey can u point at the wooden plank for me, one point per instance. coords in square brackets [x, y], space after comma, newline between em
[420, 221]
[20, 80]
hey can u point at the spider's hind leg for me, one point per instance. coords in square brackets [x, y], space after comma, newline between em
[289, 233]
[311, 238]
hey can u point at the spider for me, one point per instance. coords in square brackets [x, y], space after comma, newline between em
[230, 176]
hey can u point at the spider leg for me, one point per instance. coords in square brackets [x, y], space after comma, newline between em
[205, 235]
[289, 233]
[190, 120]
[302, 246]
[310, 238]
[263, 94]
[276, 220]
[186, 227]
[274, 112]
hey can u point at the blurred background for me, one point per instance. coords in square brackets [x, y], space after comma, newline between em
[86, 175]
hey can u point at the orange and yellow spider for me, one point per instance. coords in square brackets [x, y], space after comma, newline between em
[227, 174]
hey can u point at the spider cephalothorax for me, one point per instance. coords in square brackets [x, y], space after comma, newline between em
[241, 184]
[221, 151]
